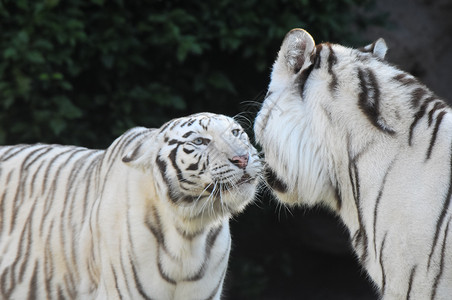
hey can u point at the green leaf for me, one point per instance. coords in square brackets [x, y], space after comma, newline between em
[66, 108]
[57, 125]
[44, 77]
[35, 57]
[51, 3]
[98, 2]
[9, 53]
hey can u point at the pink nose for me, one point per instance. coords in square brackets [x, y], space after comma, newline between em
[240, 161]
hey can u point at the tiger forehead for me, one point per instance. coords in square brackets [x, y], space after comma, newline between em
[212, 125]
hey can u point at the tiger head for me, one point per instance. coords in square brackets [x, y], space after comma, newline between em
[204, 165]
[324, 105]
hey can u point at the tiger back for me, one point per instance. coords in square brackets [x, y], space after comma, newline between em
[146, 218]
[343, 128]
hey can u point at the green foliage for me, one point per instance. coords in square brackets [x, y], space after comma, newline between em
[82, 72]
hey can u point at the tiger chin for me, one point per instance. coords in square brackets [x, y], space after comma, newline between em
[146, 218]
[343, 128]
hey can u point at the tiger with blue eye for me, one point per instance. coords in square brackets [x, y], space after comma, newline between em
[146, 218]
[345, 129]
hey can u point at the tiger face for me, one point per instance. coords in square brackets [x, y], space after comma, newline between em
[325, 104]
[207, 163]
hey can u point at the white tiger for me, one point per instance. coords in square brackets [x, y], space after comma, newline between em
[145, 219]
[342, 128]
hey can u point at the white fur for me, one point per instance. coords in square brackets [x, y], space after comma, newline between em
[90, 226]
[311, 140]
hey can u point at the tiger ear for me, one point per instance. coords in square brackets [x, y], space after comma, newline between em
[140, 156]
[377, 48]
[296, 49]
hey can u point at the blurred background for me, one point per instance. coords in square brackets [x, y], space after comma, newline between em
[83, 71]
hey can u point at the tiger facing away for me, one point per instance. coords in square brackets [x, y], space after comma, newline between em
[343, 128]
[145, 219]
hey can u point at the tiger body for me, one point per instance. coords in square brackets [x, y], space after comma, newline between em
[145, 219]
[342, 128]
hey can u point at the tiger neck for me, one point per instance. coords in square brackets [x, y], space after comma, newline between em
[360, 180]
[183, 247]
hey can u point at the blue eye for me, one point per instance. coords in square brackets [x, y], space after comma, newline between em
[235, 132]
[200, 141]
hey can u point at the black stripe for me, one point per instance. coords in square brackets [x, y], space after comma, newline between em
[381, 260]
[123, 270]
[377, 203]
[164, 126]
[185, 123]
[191, 122]
[137, 281]
[175, 123]
[118, 291]
[156, 230]
[6, 290]
[416, 97]
[442, 215]
[17, 150]
[46, 150]
[438, 105]
[162, 272]
[193, 167]
[133, 155]
[410, 283]
[406, 79]
[369, 99]
[78, 169]
[302, 79]
[361, 235]
[332, 60]
[435, 133]
[173, 142]
[27, 226]
[2, 210]
[418, 116]
[317, 59]
[162, 168]
[53, 187]
[48, 262]
[161, 164]
[172, 158]
[32, 290]
[441, 264]
[186, 135]
[210, 242]
[188, 151]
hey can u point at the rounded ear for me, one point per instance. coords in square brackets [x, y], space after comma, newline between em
[296, 49]
[141, 153]
[378, 48]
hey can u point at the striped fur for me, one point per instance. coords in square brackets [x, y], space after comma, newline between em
[342, 128]
[145, 219]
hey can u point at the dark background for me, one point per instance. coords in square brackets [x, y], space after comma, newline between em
[82, 72]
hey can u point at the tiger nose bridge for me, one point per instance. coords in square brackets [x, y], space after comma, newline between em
[240, 161]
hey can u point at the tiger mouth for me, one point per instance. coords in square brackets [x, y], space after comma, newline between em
[244, 179]
[225, 187]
